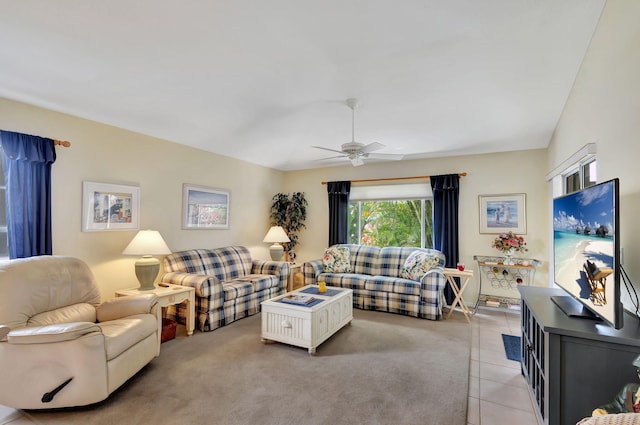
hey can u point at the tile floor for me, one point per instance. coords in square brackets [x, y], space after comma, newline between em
[497, 391]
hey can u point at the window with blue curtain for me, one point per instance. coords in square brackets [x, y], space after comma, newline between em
[26, 163]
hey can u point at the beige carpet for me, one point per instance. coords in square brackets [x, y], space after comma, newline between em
[383, 369]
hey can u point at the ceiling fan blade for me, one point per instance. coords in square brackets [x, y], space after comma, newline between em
[332, 157]
[375, 146]
[357, 161]
[388, 156]
[327, 149]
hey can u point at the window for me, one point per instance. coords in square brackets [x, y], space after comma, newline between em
[575, 173]
[580, 177]
[4, 240]
[392, 215]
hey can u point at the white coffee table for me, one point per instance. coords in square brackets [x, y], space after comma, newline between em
[307, 326]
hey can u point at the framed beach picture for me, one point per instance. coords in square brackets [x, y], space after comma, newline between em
[503, 213]
[204, 207]
[108, 207]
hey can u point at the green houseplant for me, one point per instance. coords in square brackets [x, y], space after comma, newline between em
[290, 212]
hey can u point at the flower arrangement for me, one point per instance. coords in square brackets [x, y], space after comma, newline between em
[509, 242]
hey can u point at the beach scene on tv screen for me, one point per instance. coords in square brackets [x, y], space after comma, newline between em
[583, 231]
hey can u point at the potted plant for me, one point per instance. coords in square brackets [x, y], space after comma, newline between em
[290, 212]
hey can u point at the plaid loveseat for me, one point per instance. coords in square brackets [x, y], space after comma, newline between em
[229, 284]
[375, 276]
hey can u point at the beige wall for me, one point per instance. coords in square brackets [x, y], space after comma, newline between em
[604, 108]
[105, 154]
[504, 173]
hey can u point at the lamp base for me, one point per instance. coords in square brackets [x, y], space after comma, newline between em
[147, 269]
[276, 250]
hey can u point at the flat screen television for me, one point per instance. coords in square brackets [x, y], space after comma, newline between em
[586, 251]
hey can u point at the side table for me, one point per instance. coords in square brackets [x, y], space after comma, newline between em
[294, 269]
[169, 294]
[464, 275]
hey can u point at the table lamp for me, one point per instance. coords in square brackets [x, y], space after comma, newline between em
[276, 235]
[147, 243]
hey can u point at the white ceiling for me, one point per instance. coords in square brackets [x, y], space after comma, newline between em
[264, 80]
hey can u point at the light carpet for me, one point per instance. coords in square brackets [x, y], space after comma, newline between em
[382, 369]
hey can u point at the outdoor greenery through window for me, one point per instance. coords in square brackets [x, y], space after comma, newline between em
[391, 223]
[400, 222]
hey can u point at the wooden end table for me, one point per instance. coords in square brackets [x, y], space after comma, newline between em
[464, 275]
[169, 294]
[294, 269]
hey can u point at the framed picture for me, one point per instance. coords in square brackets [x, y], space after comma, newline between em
[204, 207]
[109, 207]
[503, 213]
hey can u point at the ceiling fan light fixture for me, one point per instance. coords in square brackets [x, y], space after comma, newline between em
[352, 103]
[357, 151]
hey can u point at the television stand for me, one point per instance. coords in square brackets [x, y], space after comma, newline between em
[573, 308]
[572, 365]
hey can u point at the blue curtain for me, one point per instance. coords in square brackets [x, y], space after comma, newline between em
[27, 172]
[338, 211]
[445, 221]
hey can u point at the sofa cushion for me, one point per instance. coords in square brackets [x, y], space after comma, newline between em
[236, 288]
[417, 264]
[336, 260]
[365, 259]
[392, 260]
[245, 285]
[345, 280]
[395, 285]
[223, 263]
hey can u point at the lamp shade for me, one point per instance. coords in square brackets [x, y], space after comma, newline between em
[276, 235]
[147, 242]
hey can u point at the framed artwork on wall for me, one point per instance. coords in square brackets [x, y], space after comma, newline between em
[204, 207]
[503, 213]
[107, 207]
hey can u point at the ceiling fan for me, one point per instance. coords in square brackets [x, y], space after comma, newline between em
[355, 151]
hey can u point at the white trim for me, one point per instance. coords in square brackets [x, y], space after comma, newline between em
[391, 192]
[587, 150]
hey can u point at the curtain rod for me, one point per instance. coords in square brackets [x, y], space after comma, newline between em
[395, 178]
[62, 143]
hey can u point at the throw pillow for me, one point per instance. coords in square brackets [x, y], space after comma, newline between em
[417, 264]
[336, 260]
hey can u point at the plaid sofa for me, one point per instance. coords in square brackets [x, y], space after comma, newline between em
[376, 281]
[229, 284]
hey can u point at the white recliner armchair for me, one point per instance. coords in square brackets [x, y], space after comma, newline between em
[59, 347]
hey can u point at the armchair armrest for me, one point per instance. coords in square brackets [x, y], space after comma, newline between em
[433, 283]
[51, 333]
[311, 270]
[118, 308]
[205, 285]
[277, 268]
[434, 279]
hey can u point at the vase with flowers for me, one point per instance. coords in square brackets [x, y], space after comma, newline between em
[509, 243]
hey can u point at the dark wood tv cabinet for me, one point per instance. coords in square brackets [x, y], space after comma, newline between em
[572, 365]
